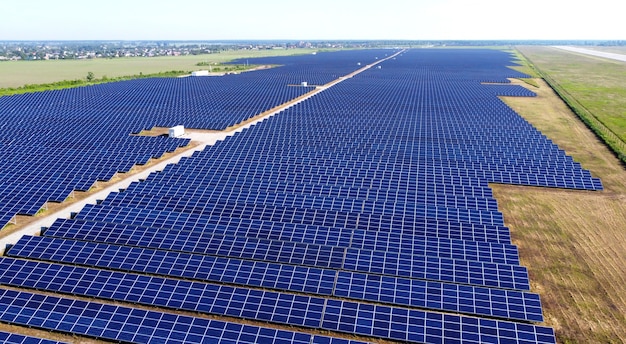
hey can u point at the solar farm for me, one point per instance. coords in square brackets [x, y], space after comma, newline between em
[362, 213]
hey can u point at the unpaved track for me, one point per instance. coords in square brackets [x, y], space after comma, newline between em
[573, 242]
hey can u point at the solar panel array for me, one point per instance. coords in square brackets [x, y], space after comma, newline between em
[364, 210]
[57, 142]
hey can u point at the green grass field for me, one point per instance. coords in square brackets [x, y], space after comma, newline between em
[599, 85]
[19, 73]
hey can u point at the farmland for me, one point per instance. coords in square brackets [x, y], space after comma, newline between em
[595, 87]
[573, 242]
[20, 73]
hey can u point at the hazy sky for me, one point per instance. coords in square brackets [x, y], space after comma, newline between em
[310, 19]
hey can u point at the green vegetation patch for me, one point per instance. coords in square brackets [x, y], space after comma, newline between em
[89, 79]
[595, 88]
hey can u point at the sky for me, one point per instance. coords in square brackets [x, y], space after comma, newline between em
[311, 20]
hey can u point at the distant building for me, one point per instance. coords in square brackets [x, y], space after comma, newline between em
[200, 73]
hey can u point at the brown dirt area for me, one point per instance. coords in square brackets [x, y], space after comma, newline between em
[573, 242]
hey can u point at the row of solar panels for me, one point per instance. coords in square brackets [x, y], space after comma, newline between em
[392, 291]
[13, 338]
[335, 202]
[316, 194]
[327, 165]
[178, 220]
[126, 324]
[519, 175]
[395, 241]
[503, 159]
[478, 269]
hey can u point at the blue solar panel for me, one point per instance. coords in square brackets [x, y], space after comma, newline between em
[424, 327]
[85, 131]
[12, 338]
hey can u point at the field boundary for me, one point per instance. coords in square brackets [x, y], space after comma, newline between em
[67, 84]
[612, 140]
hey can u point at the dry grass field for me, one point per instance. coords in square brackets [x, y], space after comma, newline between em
[20, 73]
[573, 242]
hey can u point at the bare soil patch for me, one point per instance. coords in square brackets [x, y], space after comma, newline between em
[573, 242]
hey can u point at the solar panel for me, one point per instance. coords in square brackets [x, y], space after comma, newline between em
[85, 130]
[13, 338]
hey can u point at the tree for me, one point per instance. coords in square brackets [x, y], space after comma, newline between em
[90, 76]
